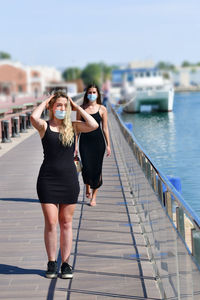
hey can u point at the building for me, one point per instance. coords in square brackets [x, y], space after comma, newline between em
[140, 64]
[17, 79]
[187, 77]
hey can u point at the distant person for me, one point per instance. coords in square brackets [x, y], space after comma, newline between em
[105, 98]
[13, 98]
[57, 184]
[92, 145]
[105, 88]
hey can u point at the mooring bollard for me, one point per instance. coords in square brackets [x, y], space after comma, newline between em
[15, 127]
[28, 120]
[5, 131]
[129, 126]
[22, 121]
[45, 113]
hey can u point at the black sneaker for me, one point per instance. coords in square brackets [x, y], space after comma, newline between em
[66, 271]
[52, 269]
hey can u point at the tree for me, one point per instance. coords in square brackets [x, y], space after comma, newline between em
[161, 65]
[97, 73]
[165, 75]
[71, 74]
[185, 63]
[4, 55]
[193, 70]
[92, 73]
[107, 71]
[165, 66]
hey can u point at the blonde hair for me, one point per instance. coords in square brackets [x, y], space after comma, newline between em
[66, 129]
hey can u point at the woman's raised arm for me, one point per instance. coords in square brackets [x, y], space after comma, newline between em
[36, 120]
[90, 123]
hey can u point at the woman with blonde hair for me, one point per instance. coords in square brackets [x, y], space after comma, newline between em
[57, 184]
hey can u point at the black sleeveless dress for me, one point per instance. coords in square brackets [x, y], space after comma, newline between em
[92, 149]
[57, 180]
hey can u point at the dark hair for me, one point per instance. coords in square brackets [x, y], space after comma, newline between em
[86, 100]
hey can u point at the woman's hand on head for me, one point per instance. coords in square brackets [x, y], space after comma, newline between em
[48, 100]
[73, 104]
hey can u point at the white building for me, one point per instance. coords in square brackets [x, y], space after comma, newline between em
[187, 77]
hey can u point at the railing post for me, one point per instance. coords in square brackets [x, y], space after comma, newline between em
[160, 191]
[154, 182]
[148, 171]
[168, 204]
[143, 164]
[140, 160]
[196, 244]
[180, 221]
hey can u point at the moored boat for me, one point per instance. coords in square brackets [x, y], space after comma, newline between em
[143, 86]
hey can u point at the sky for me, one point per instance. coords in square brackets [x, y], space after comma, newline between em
[64, 33]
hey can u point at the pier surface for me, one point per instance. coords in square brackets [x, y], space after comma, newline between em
[109, 255]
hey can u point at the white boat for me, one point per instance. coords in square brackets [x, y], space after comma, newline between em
[144, 87]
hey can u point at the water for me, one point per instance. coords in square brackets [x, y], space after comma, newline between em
[172, 140]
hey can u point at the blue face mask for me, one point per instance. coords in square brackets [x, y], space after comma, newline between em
[92, 97]
[60, 114]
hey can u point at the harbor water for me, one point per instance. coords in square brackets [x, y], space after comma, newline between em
[172, 141]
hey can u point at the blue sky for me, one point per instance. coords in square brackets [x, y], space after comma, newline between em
[64, 33]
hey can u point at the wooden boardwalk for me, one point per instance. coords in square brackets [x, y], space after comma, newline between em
[109, 254]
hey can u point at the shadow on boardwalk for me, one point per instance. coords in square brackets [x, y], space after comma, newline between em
[8, 270]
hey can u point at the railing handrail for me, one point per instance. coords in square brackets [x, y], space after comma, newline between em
[172, 237]
[179, 198]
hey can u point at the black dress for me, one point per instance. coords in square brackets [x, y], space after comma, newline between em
[57, 180]
[92, 149]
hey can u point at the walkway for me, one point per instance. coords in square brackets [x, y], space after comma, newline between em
[109, 255]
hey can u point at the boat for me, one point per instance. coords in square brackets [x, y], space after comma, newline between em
[141, 87]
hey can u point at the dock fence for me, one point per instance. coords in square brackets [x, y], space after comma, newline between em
[170, 227]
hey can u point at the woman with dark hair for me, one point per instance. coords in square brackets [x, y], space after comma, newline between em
[92, 145]
[57, 184]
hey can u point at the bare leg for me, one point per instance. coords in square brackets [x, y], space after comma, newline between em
[88, 192]
[50, 212]
[66, 212]
[94, 195]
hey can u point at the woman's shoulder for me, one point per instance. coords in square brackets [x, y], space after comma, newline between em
[102, 111]
[102, 108]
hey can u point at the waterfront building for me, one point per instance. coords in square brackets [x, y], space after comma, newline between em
[186, 78]
[17, 79]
